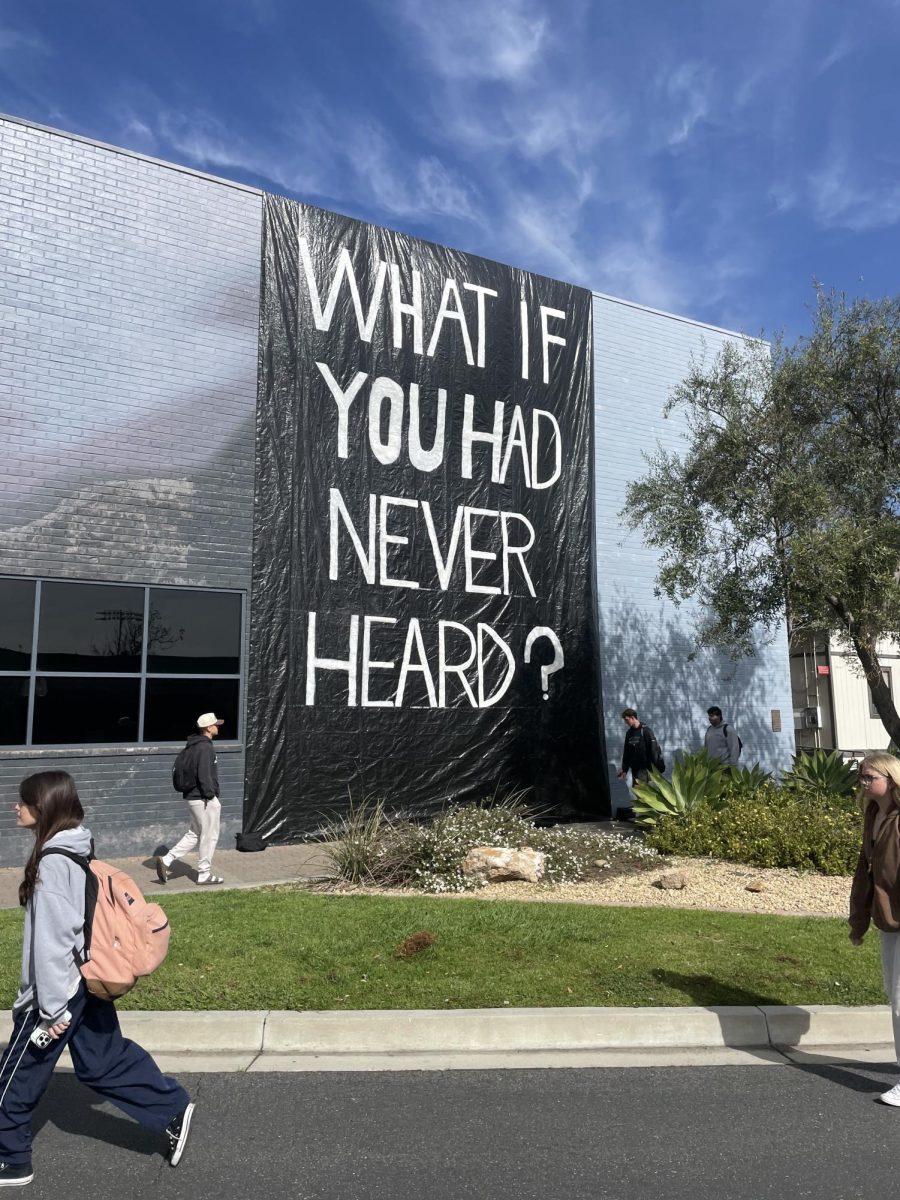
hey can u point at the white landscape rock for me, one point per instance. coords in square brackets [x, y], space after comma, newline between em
[494, 864]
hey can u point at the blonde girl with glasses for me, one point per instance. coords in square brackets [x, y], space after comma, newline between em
[875, 894]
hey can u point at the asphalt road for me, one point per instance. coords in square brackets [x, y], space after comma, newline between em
[722, 1133]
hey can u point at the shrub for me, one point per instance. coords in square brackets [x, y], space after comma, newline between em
[366, 845]
[823, 771]
[696, 779]
[371, 848]
[774, 827]
[744, 781]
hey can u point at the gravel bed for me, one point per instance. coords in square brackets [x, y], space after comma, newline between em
[710, 884]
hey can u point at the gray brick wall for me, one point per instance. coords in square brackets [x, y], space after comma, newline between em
[129, 309]
[646, 643]
[128, 799]
[128, 347]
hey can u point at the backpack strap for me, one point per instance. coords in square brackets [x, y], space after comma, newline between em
[90, 893]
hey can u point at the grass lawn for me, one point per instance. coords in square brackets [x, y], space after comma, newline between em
[285, 948]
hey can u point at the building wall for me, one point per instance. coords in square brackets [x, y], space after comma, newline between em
[129, 305]
[646, 643]
[129, 310]
[855, 728]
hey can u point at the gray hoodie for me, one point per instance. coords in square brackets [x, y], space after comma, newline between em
[54, 927]
[722, 745]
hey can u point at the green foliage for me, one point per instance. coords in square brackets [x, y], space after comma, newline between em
[773, 827]
[745, 781]
[823, 771]
[696, 779]
[284, 948]
[370, 847]
[787, 498]
[365, 846]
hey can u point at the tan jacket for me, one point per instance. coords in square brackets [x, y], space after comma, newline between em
[875, 894]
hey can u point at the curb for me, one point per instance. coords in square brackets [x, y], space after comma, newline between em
[505, 1030]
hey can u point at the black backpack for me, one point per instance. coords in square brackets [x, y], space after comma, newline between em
[184, 771]
[653, 751]
[740, 743]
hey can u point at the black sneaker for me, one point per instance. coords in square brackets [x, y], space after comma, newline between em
[15, 1174]
[177, 1132]
[162, 871]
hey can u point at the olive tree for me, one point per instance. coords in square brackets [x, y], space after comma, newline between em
[785, 500]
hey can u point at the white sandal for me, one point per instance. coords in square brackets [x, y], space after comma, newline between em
[209, 879]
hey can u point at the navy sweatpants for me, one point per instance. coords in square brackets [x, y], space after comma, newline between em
[117, 1069]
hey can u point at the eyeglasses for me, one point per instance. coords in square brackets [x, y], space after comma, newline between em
[865, 780]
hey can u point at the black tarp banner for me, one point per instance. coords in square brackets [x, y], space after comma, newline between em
[423, 624]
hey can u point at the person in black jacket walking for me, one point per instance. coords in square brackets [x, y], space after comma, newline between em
[202, 796]
[640, 752]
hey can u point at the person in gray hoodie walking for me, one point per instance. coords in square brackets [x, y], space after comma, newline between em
[54, 1009]
[721, 741]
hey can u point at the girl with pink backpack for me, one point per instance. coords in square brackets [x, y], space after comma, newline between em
[54, 1007]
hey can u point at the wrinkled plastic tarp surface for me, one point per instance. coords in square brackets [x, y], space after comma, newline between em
[423, 622]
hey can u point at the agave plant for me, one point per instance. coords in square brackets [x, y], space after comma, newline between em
[696, 779]
[746, 781]
[823, 771]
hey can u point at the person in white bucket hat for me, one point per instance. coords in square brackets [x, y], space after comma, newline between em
[196, 777]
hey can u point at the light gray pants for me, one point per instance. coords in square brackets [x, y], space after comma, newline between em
[890, 964]
[204, 830]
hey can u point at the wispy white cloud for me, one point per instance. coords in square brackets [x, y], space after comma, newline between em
[688, 92]
[498, 40]
[356, 163]
[841, 196]
[16, 40]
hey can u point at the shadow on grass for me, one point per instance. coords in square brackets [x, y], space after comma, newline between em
[706, 991]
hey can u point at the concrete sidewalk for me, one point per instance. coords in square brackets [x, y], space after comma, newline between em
[485, 1039]
[275, 864]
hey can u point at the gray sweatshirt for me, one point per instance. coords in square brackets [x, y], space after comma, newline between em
[54, 927]
[721, 745]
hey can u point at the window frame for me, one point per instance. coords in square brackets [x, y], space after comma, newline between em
[888, 676]
[142, 675]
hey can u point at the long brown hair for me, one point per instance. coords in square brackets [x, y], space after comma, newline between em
[52, 798]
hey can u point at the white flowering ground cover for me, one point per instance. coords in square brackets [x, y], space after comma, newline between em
[373, 849]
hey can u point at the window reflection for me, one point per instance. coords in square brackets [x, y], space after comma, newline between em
[74, 711]
[89, 683]
[84, 627]
[196, 633]
[13, 709]
[16, 623]
[172, 706]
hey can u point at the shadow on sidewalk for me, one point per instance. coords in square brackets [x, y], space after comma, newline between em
[707, 992]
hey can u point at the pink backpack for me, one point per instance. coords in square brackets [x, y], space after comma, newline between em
[124, 936]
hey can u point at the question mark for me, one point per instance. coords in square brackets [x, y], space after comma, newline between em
[547, 669]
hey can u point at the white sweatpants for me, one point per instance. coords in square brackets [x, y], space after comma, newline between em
[890, 964]
[204, 829]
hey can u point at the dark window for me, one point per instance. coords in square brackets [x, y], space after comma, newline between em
[16, 623]
[888, 679]
[71, 711]
[194, 633]
[172, 706]
[13, 709]
[85, 627]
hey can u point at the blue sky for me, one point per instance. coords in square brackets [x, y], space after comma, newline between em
[705, 158]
